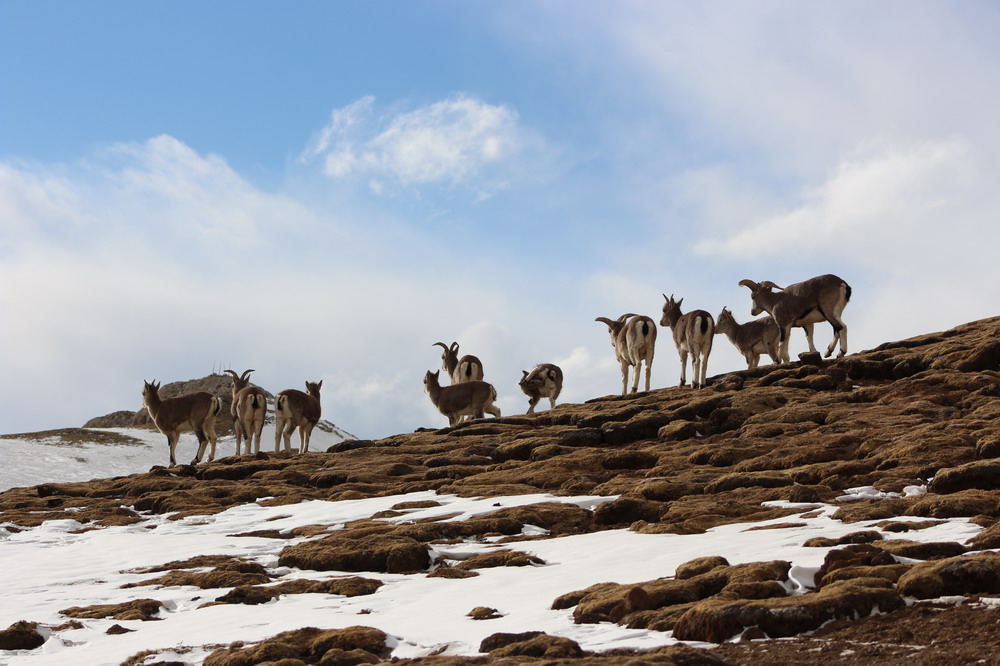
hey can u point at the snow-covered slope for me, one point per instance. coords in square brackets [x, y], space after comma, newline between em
[50, 458]
[60, 565]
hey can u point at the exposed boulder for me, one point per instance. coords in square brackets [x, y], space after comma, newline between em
[21, 635]
[353, 645]
[979, 573]
[338, 552]
[140, 609]
[531, 644]
[716, 620]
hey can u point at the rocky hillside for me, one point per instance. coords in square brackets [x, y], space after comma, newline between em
[917, 413]
[218, 385]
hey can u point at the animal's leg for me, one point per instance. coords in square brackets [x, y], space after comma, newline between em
[303, 439]
[258, 431]
[808, 328]
[202, 443]
[172, 443]
[839, 335]
[279, 425]
[783, 345]
[238, 431]
[684, 359]
[213, 438]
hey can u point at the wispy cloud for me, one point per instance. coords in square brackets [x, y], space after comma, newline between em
[456, 141]
[179, 264]
[891, 198]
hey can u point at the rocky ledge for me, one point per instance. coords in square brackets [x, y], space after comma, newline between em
[919, 413]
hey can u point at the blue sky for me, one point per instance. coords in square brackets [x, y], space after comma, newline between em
[323, 190]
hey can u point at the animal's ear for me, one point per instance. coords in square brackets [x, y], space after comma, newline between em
[320, 385]
[679, 302]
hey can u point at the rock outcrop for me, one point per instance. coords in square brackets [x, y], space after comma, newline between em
[919, 413]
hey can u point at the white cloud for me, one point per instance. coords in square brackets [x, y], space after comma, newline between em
[886, 202]
[795, 83]
[153, 287]
[452, 142]
[343, 126]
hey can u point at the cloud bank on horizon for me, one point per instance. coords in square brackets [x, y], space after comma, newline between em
[539, 166]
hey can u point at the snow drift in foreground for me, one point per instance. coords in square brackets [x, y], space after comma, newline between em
[61, 564]
[59, 567]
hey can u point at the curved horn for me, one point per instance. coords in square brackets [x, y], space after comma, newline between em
[750, 284]
[246, 373]
[604, 320]
[233, 373]
[454, 347]
[626, 316]
[440, 344]
[767, 284]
